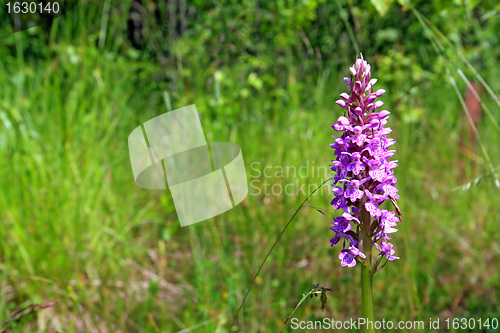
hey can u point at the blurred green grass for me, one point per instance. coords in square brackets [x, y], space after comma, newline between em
[78, 230]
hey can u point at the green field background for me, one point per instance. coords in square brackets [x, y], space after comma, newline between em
[76, 229]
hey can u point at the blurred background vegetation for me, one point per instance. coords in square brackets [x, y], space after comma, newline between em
[263, 74]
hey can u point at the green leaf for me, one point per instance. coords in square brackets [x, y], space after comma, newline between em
[382, 5]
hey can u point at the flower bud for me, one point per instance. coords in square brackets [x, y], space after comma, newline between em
[374, 123]
[340, 125]
[383, 114]
[379, 92]
[357, 87]
[378, 104]
[345, 96]
[371, 98]
[341, 103]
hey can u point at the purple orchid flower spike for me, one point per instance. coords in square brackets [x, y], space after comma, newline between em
[364, 173]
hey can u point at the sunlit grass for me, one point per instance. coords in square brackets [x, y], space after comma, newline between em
[76, 228]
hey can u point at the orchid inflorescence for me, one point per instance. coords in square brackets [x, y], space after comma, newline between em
[364, 175]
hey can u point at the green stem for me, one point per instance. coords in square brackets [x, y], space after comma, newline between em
[366, 277]
[367, 297]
